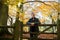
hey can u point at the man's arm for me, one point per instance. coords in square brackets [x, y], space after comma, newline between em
[37, 22]
[29, 22]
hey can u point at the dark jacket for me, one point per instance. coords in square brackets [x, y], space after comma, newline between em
[36, 23]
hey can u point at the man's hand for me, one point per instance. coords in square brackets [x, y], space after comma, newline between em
[32, 24]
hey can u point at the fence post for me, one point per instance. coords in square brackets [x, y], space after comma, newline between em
[16, 29]
[21, 31]
[58, 26]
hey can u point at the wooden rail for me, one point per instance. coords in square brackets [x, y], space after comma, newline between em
[51, 25]
[43, 32]
[43, 25]
[7, 27]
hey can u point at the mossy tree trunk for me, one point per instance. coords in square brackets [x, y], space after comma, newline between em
[3, 13]
[3, 16]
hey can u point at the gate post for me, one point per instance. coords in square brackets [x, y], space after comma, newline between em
[16, 29]
[21, 31]
[58, 28]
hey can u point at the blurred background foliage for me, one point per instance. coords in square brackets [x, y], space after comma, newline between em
[47, 11]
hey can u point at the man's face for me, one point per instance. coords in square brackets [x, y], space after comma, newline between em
[33, 15]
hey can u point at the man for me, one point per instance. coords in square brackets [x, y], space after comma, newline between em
[33, 22]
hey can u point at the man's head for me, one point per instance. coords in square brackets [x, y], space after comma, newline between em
[33, 15]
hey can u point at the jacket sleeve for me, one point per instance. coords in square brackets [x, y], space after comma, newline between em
[29, 22]
[37, 22]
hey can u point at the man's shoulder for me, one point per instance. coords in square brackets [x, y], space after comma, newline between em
[36, 18]
[30, 19]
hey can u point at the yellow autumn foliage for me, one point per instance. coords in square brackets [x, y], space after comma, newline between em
[47, 9]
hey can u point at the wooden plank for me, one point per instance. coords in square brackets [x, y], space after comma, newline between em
[43, 25]
[6, 26]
